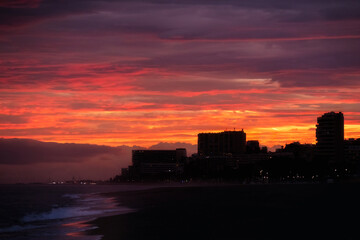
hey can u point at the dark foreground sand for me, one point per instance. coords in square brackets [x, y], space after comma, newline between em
[298, 211]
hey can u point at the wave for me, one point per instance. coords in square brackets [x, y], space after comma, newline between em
[61, 213]
[89, 205]
[85, 207]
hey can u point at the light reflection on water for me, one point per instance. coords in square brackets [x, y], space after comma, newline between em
[101, 206]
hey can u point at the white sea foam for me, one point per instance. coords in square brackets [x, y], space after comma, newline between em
[91, 205]
[60, 213]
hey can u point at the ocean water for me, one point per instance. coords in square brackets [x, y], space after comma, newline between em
[41, 211]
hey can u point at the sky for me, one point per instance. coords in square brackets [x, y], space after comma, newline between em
[138, 73]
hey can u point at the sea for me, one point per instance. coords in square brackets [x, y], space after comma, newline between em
[56, 211]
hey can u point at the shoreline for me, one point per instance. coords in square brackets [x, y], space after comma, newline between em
[235, 211]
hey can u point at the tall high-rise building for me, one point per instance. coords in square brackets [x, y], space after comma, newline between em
[227, 142]
[330, 137]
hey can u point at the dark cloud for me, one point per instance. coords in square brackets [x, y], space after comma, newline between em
[14, 16]
[27, 151]
[187, 19]
[228, 39]
[27, 160]
[339, 12]
[20, 3]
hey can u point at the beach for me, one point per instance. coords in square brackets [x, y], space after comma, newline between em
[268, 211]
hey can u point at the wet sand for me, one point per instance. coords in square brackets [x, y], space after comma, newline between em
[284, 211]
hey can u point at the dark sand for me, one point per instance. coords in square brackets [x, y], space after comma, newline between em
[297, 211]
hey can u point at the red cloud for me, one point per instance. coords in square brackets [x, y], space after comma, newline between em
[20, 3]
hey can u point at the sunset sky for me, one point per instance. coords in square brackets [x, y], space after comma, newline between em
[143, 72]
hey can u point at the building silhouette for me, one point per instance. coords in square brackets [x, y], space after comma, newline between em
[252, 146]
[217, 144]
[158, 163]
[330, 137]
[352, 156]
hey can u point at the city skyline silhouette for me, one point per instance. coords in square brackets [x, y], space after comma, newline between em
[87, 158]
